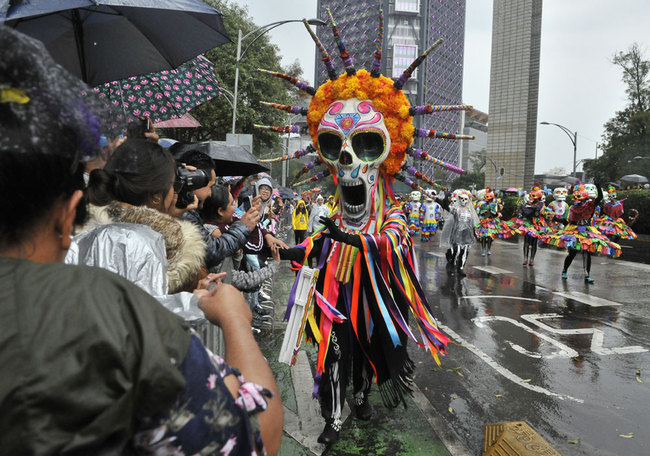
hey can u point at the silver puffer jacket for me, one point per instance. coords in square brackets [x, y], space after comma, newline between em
[160, 254]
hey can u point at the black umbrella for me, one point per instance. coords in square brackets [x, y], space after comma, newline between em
[230, 160]
[107, 40]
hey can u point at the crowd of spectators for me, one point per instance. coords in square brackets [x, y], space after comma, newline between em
[104, 282]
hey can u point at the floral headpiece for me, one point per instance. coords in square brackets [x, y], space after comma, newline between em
[580, 193]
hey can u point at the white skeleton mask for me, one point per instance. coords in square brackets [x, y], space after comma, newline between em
[354, 141]
[454, 196]
[591, 190]
[611, 195]
[559, 194]
[463, 199]
[415, 196]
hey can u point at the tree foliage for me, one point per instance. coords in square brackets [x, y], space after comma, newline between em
[626, 141]
[215, 116]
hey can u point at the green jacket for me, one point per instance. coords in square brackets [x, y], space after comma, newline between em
[86, 357]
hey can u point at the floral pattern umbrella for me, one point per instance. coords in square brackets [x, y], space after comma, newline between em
[164, 95]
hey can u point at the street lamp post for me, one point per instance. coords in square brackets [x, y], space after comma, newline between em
[573, 136]
[260, 31]
[496, 171]
[285, 163]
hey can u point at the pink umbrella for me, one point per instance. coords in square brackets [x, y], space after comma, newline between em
[184, 121]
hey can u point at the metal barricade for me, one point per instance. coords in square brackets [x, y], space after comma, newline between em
[212, 337]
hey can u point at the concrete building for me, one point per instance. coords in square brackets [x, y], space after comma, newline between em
[475, 123]
[410, 26]
[514, 84]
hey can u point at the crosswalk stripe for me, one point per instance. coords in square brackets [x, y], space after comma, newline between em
[584, 298]
[492, 270]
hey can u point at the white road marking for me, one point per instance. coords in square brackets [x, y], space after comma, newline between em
[593, 301]
[500, 297]
[435, 254]
[597, 337]
[502, 370]
[492, 270]
[564, 351]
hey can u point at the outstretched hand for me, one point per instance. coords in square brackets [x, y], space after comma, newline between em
[336, 234]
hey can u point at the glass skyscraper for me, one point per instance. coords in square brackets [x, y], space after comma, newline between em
[514, 87]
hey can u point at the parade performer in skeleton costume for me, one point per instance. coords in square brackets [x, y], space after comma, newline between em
[362, 126]
[611, 223]
[430, 215]
[579, 235]
[531, 224]
[413, 214]
[462, 235]
[448, 228]
[490, 224]
[555, 211]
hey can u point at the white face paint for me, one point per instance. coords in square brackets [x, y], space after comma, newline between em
[559, 194]
[415, 196]
[354, 141]
[591, 190]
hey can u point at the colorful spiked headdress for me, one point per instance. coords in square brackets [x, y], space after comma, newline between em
[385, 95]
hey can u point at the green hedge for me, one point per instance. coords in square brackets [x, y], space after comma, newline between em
[639, 200]
[636, 199]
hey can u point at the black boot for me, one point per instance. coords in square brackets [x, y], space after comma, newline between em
[330, 434]
[363, 410]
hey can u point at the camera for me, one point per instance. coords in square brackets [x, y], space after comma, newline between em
[186, 182]
[138, 128]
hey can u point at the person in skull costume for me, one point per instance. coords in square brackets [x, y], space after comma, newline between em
[413, 214]
[462, 235]
[579, 235]
[611, 222]
[490, 226]
[531, 224]
[430, 215]
[556, 209]
[362, 126]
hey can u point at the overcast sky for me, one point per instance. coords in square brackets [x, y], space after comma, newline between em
[578, 87]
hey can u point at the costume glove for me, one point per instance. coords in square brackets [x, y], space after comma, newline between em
[337, 235]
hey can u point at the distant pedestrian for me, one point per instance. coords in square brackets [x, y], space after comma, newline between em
[300, 221]
[318, 210]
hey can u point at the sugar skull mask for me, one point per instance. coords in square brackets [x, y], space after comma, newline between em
[354, 142]
[463, 199]
[591, 190]
[611, 193]
[559, 194]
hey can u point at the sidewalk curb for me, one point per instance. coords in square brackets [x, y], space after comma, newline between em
[447, 435]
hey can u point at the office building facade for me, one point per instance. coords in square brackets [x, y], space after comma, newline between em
[410, 26]
[514, 87]
[475, 123]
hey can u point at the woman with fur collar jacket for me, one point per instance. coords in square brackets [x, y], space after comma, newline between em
[130, 231]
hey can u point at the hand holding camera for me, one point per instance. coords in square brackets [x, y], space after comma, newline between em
[188, 179]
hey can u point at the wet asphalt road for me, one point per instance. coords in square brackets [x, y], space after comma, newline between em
[569, 358]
